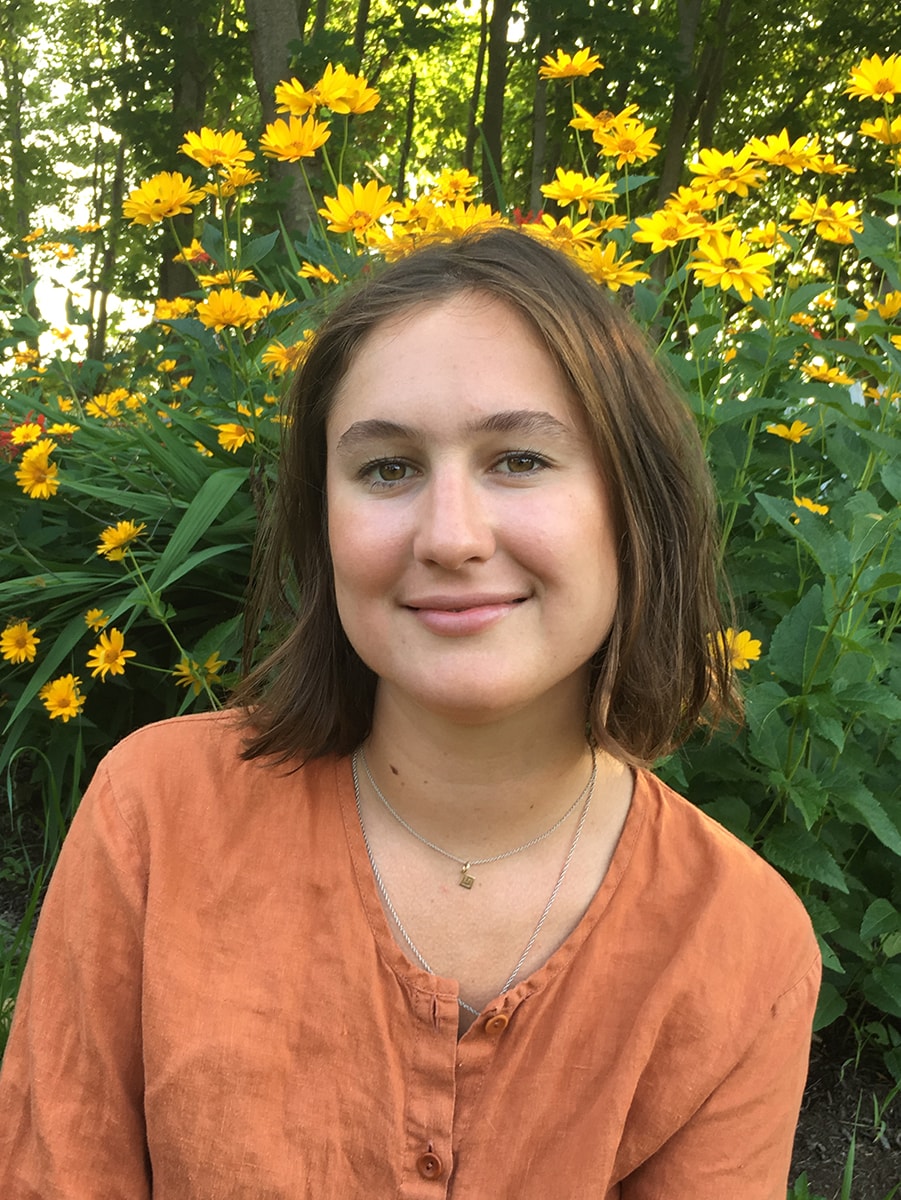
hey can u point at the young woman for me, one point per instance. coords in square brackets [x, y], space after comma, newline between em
[414, 919]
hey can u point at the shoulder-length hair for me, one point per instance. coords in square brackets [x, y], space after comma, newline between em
[665, 662]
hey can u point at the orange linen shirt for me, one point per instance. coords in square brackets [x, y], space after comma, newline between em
[215, 1008]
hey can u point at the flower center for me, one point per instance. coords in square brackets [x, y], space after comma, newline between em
[731, 264]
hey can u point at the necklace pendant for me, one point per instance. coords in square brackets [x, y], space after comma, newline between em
[466, 880]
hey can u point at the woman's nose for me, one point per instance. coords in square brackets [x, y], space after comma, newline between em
[453, 522]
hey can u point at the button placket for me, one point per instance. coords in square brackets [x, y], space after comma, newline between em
[430, 1166]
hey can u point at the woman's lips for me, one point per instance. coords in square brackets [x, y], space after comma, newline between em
[460, 617]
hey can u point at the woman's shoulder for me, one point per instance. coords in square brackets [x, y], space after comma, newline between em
[193, 764]
[701, 877]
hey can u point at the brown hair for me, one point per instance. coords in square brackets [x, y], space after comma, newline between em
[663, 664]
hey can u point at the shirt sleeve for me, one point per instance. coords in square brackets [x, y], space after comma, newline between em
[739, 1142]
[71, 1090]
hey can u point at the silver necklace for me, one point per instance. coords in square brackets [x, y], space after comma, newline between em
[383, 891]
[466, 880]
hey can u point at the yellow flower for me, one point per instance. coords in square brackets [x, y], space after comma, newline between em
[741, 649]
[279, 358]
[167, 365]
[194, 253]
[230, 179]
[220, 278]
[797, 156]
[165, 195]
[627, 140]
[310, 271]
[883, 131]
[64, 404]
[566, 66]
[18, 643]
[356, 211]
[95, 619]
[26, 433]
[805, 320]
[115, 539]
[88, 227]
[604, 267]
[35, 235]
[109, 655]
[729, 172]
[603, 120]
[449, 220]
[291, 97]
[62, 429]
[105, 404]
[26, 358]
[62, 698]
[722, 260]
[232, 436]
[189, 673]
[834, 222]
[572, 187]
[171, 310]
[225, 307]
[563, 234]
[768, 235]
[265, 304]
[663, 229]
[822, 373]
[343, 92]
[791, 433]
[888, 307]
[692, 201]
[825, 164]
[212, 149]
[810, 505]
[453, 185]
[294, 139]
[37, 475]
[874, 79]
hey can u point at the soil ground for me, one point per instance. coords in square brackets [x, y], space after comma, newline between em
[845, 1095]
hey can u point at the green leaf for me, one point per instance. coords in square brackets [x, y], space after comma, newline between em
[830, 1006]
[794, 849]
[859, 802]
[883, 988]
[769, 731]
[827, 545]
[203, 510]
[880, 918]
[256, 250]
[796, 640]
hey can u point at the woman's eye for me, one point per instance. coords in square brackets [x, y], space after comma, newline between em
[386, 470]
[522, 463]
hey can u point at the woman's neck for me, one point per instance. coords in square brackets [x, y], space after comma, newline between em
[483, 786]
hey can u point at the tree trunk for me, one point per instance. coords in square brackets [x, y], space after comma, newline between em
[401, 190]
[539, 126]
[493, 111]
[714, 70]
[689, 12]
[472, 122]
[101, 289]
[189, 90]
[274, 24]
[361, 25]
[20, 193]
[321, 18]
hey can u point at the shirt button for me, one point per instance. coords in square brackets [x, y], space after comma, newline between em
[430, 1166]
[496, 1025]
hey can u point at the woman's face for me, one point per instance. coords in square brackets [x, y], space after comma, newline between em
[473, 548]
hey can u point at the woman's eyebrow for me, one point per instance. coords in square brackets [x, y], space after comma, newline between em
[529, 421]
